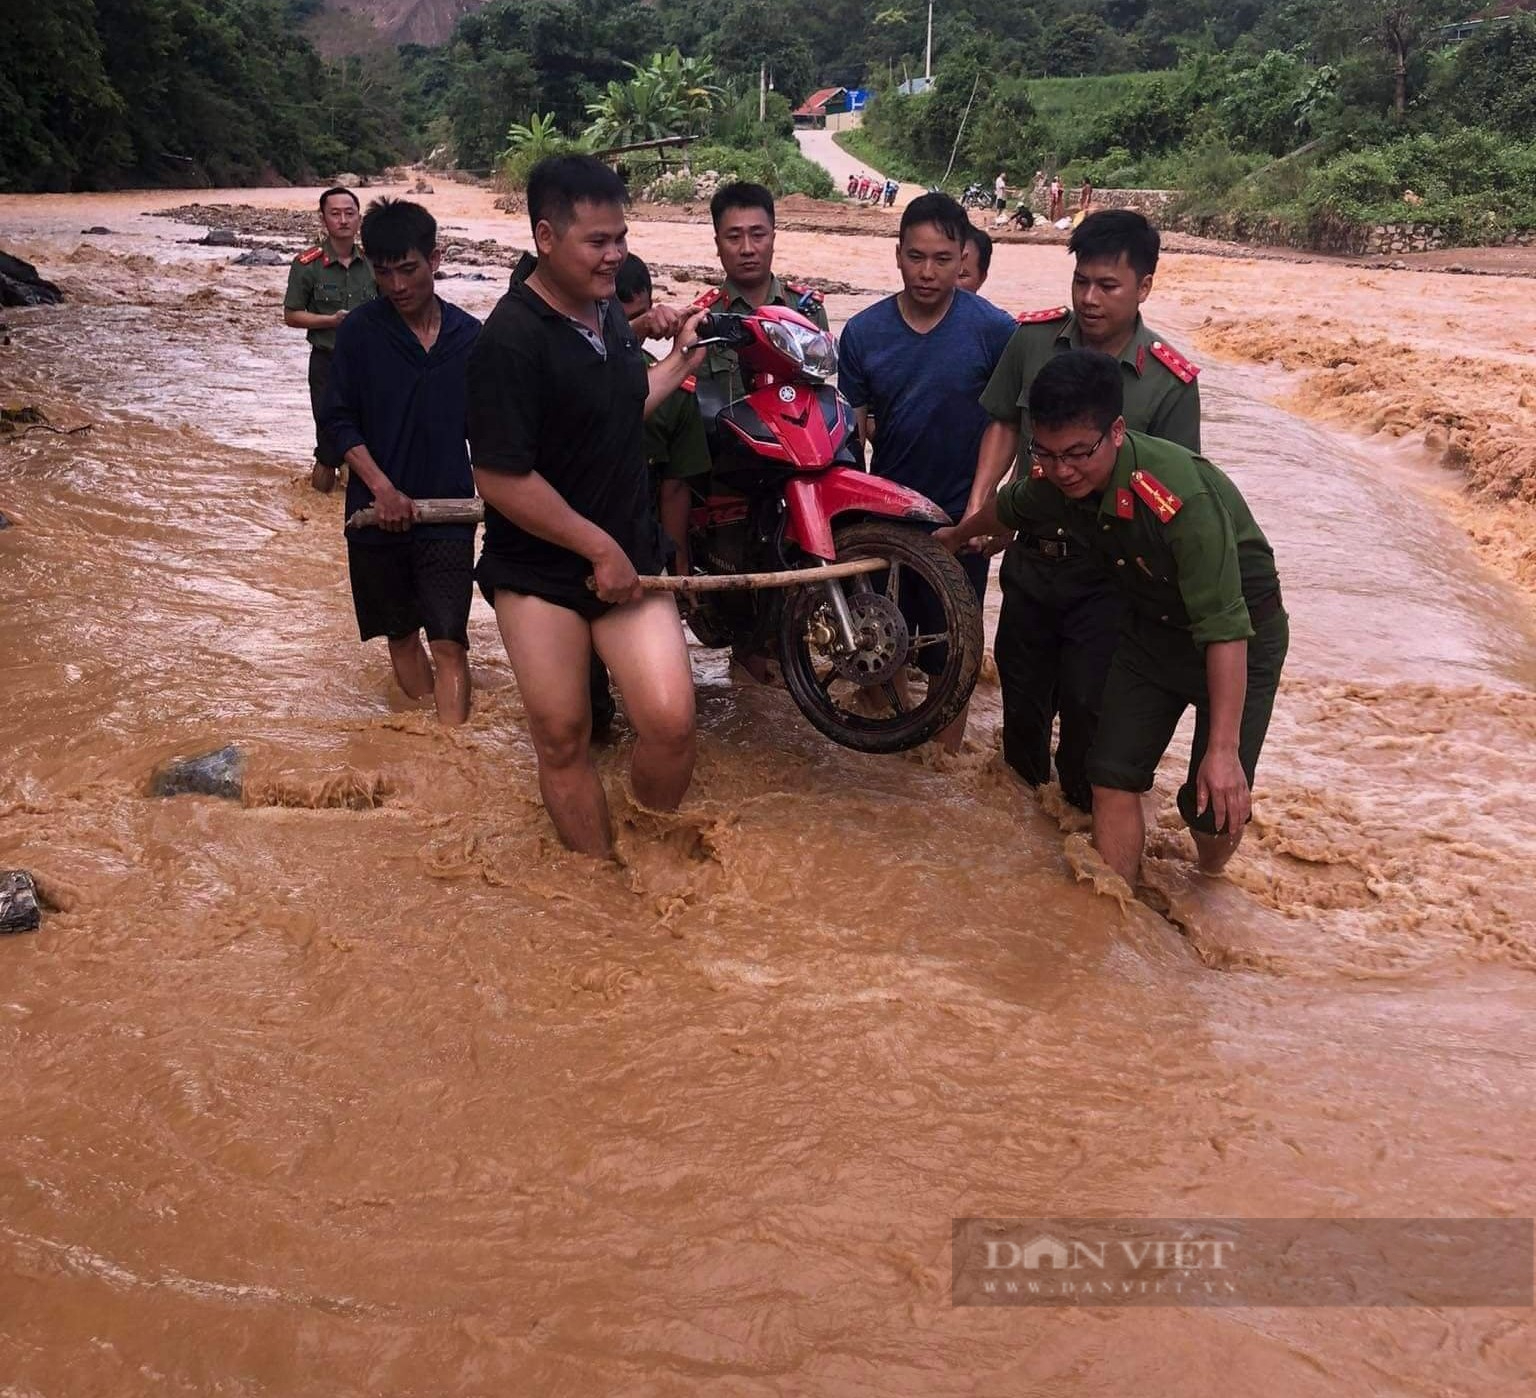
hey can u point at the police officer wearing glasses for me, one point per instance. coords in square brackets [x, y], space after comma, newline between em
[1060, 615]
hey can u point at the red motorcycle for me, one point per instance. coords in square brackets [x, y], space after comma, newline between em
[788, 495]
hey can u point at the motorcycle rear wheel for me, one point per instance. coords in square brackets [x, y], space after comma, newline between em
[824, 694]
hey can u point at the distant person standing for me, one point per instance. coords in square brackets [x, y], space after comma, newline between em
[1000, 192]
[917, 362]
[1085, 198]
[891, 190]
[853, 185]
[397, 407]
[324, 283]
[1058, 199]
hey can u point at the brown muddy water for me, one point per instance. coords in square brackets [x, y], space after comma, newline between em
[363, 1086]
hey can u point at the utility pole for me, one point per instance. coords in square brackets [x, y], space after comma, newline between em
[928, 61]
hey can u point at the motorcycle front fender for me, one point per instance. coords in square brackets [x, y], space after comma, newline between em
[814, 502]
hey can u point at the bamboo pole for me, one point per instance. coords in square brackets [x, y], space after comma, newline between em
[473, 511]
[747, 582]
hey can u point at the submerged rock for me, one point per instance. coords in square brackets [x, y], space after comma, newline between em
[218, 773]
[261, 257]
[21, 286]
[96, 229]
[19, 910]
[221, 238]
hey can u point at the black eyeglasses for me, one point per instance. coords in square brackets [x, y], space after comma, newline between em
[1065, 458]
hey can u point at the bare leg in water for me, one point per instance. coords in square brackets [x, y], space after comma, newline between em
[445, 676]
[642, 644]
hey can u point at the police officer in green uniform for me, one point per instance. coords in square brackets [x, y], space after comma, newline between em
[324, 283]
[1204, 624]
[1059, 617]
[676, 448]
[744, 226]
[743, 216]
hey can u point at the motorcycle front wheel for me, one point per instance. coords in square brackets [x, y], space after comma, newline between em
[920, 615]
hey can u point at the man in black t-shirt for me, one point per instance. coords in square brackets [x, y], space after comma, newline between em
[558, 392]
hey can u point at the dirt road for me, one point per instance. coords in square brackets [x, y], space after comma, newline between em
[820, 147]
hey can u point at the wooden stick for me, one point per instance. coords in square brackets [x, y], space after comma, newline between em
[473, 511]
[469, 511]
[747, 582]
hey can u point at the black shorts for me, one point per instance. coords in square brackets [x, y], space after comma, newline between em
[1156, 674]
[319, 376]
[418, 583]
[925, 612]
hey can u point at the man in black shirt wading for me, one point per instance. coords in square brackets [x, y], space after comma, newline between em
[558, 391]
[395, 407]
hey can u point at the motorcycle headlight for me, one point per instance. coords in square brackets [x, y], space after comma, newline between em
[814, 351]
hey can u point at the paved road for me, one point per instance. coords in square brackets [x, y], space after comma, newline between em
[820, 147]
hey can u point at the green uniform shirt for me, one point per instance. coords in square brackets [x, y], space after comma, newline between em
[720, 364]
[322, 286]
[675, 445]
[1157, 401]
[1198, 571]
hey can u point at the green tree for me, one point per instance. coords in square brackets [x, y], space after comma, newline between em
[1004, 133]
[1492, 76]
[751, 33]
[1079, 44]
[60, 114]
[1400, 29]
[667, 96]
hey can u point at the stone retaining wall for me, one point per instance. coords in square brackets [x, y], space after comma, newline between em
[1369, 240]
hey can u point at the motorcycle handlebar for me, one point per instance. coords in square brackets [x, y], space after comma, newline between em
[725, 329]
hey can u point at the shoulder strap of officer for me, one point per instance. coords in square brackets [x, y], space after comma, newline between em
[713, 297]
[1174, 362]
[690, 384]
[1043, 317]
[305, 258]
[1155, 495]
[800, 289]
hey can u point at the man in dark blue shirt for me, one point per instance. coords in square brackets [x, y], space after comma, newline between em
[396, 407]
[913, 367]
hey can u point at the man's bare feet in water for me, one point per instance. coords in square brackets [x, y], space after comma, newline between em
[323, 478]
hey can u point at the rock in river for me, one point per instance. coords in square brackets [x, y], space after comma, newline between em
[19, 911]
[208, 774]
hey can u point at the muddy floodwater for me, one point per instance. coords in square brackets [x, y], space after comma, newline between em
[363, 1086]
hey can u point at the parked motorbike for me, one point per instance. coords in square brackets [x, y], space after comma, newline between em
[787, 494]
[976, 196]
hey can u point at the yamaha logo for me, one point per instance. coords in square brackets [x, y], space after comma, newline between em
[786, 394]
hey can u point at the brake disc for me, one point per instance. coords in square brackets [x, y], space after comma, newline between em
[882, 636]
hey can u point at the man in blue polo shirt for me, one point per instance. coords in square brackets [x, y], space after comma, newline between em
[913, 366]
[396, 407]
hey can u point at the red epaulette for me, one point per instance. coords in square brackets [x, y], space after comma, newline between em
[305, 258]
[1042, 317]
[713, 297]
[1155, 495]
[690, 384]
[801, 290]
[1174, 362]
